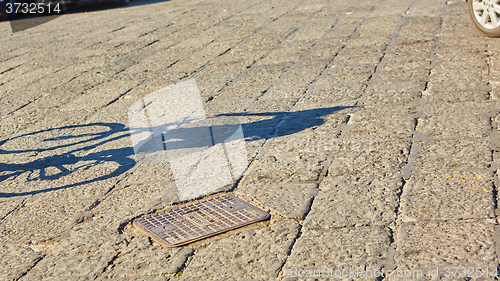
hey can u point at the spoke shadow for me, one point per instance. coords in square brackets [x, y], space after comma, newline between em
[73, 144]
[82, 143]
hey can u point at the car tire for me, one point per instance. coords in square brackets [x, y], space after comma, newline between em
[3, 13]
[123, 2]
[12, 15]
[45, 10]
[485, 15]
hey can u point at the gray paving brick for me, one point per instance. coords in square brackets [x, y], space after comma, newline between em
[83, 266]
[141, 258]
[452, 155]
[446, 243]
[16, 260]
[451, 195]
[339, 249]
[354, 201]
[245, 255]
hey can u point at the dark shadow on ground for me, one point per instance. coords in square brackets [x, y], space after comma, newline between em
[78, 144]
[28, 20]
[84, 7]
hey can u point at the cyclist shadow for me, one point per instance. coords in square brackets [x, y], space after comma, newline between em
[87, 145]
[72, 145]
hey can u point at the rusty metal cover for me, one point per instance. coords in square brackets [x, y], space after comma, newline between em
[183, 224]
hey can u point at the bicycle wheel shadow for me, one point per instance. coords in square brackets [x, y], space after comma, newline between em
[71, 148]
[58, 153]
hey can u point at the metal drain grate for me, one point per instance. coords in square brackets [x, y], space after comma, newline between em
[180, 225]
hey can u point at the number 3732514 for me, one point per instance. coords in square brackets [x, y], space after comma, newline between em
[32, 8]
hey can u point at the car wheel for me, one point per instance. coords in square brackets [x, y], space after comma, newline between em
[12, 15]
[3, 14]
[123, 2]
[485, 15]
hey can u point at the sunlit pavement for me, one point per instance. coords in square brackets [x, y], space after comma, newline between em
[371, 136]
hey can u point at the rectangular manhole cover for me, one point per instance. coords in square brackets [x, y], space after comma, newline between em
[183, 224]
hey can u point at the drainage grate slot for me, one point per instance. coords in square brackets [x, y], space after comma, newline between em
[200, 219]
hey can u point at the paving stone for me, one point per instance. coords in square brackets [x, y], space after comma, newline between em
[391, 98]
[454, 40]
[95, 233]
[354, 57]
[150, 171]
[485, 108]
[293, 92]
[452, 195]
[218, 79]
[328, 52]
[143, 278]
[8, 206]
[253, 147]
[470, 84]
[137, 198]
[339, 249]
[284, 167]
[270, 72]
[261, 125]
[424, 47]
[238, 93]
[405, 62]
[308, 116]
[446, 243]
[473, 51]
[478, 81]
[301, 76]
[17, 260]
[369, 157]
[380, 22]
[291, 200]
[282, 55]
[458, 96]
[141, 258]
[355, 200]
[342, 32]
[223, 67]
[83, 266]
[55, 209]
[266, 105]
[252, 254]
[253, 78]
[334, 92]
[450, 127]
[452, 155]
[225, 106]
[379, 112]
[474, 64]
[396, 84]
[352, 69]
[382, 129]
[403, 74]
[243, 57]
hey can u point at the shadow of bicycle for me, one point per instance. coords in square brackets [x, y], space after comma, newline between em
[59, 152]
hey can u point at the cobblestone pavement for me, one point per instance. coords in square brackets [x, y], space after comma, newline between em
[379, 147]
